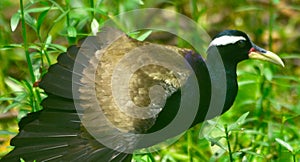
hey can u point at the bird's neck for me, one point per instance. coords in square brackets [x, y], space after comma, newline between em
[230, 70]
[232, 86]
[203, 74]
[217, 67]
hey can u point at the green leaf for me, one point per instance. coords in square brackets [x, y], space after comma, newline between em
[63, 15]
[96, 11]
[48, 40]
[247, 82]
[41, 19]
[5, 132]
[58, 47]
[72, 31]
[216, 141]
[11, 106]
[287, 78]
[210, 127]
[30, 21]
[168, 158]
[144, 35]
[146, 158]
[284, 144]
[10, 46]
[253, 132]
[248, 151]
[34, 46]
[268, 74]
[290, 56]
[140, 2]
[14, 21]
[239, 122]
[41, 9]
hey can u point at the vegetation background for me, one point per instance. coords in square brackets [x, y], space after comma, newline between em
[263, 124]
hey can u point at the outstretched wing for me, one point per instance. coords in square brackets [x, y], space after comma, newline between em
[110, 72]
[56, 133]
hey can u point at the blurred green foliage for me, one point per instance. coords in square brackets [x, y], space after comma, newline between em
[268, 96]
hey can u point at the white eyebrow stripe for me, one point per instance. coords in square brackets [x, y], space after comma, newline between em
[225, 40]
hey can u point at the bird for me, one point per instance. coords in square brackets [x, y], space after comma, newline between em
[58, 132]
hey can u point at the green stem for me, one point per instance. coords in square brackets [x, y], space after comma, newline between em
[70, 39]
[236, 141]
[26, 43]
[44, 52]
[68, 14]
[271, 22]
[228, 143]
[294, 157]
[195, 12]
[268, 107]
[92, 5]
[38, 99]
[260, 104]
[189, 147]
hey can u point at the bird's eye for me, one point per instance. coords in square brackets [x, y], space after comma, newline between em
[241, 43]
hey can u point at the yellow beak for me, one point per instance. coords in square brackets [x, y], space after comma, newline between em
[262, 54]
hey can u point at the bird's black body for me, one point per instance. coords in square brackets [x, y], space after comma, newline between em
[57, 134]
[171, 108]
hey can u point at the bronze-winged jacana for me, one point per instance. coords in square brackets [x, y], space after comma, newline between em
[56, 132]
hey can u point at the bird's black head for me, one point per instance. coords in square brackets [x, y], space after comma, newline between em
[235, 46]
